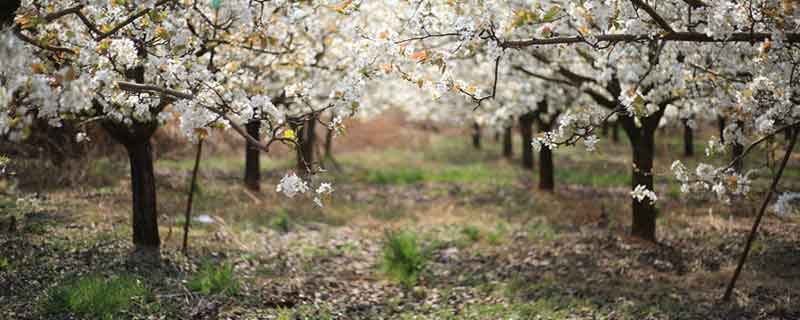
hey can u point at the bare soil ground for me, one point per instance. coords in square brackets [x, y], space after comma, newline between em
[499, 249]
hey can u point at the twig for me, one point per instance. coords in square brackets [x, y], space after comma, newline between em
[757, 222]
[192, 188]
[653, 14]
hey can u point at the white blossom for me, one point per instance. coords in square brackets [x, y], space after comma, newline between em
[292, 185]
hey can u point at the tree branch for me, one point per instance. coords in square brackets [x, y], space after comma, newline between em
[653, 14]
[675, 36]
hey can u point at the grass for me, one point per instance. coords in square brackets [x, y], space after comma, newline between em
[403, 257]
[215, 162]
[395, 176]
[593, 178]
[281, 222]
[95, 297]
[4, 264]
[472, 233]
[478, 173]
[449, 196]
[541, 230]
[496, 237]
[213, 279]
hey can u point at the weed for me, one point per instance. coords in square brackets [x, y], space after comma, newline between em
[472, 233]
[4, 264]
[403, 257]
[496, 236]
[281, 222]
[94, 296]
[541, 230]
[215, 279]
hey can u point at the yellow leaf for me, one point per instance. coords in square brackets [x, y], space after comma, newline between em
[289, 134]
[37, 68]
[419, 56]
[162, 33]
[201, 133]
[342, 6]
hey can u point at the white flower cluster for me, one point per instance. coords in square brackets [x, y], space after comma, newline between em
[723, 182]
[292, 185]
[640, 193]
[123, 51]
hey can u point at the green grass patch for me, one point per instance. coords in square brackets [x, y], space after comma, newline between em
[214, 279]
[396, 176]
[95, 297]
[388, 214]
[593, 178]
[464, 173]
[281, 222]
[403, 257]
[496, 237]
[541, 230]
[4, 264]
[471, 233]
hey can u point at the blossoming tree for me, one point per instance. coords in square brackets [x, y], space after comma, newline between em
[132, 66]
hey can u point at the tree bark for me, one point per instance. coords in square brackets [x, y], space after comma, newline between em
[329, 143]
[526, 131]
[643, 146]
[546, 170]
[136, 140]
[476, 135]
[721, 128]
[252, 158]
[143, 187]
[546, 166]
[644, 212]
[8, 10]
[508, 148]
[305, 150]
[688, 139]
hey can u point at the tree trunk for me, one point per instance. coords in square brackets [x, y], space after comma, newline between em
[476, 136]
[526, 131]
[143, 187]
[721, 127]
[688, 139]
[329, 143]
[643, 146]
[546, 170]
[8, 10]
[508, 149]
[644, 212]
[136, 139]
[305, 151]
[252, 158]
[546, 167]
